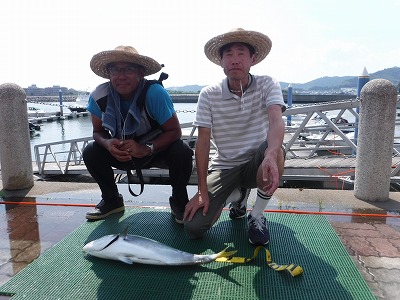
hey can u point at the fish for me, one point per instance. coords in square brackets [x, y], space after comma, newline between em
[138, 249]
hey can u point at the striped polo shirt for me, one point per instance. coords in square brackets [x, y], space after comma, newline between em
[238, 124]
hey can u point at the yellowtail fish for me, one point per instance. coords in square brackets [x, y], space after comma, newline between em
[137, 249]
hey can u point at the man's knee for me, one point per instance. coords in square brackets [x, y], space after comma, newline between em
[180, 157]
[87, 152]
[93, 153]
[181, 149]
[194, 230]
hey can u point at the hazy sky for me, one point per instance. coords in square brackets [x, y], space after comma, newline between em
[51, 42]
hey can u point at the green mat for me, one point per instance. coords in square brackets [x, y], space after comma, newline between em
[64, 272]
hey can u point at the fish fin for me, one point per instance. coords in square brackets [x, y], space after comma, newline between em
[125, 259]
[225, 255]
[125, 232]
[112, 241]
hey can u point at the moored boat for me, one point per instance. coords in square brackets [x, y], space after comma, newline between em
[77, 108]
[33, 128]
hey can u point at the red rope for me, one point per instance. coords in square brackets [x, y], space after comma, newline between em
[304, 212]
[47, 203]
[300, 212]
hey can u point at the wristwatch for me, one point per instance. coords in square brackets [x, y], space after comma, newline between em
[151, 146]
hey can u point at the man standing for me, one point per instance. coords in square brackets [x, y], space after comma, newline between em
[243, 115]
[126, 110]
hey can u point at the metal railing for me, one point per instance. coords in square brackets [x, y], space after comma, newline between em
[54, 154]
[316, 119]
[323, 128]
[310, 133]
[65, 157]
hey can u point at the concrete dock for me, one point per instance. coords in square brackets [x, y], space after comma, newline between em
[370, 231]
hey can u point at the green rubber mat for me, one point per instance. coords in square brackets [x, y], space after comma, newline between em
[64, 272]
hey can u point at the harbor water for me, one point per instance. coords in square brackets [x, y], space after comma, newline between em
[81, 127]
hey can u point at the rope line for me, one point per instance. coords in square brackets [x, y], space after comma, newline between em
[337, 176]
[300, 212]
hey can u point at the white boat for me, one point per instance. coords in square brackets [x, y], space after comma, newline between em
[83, 97]
[80, 102]
[34, 112]
[77, 108]
[40, 110]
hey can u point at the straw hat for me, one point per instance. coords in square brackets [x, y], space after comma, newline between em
[101, 60]
[261, 43]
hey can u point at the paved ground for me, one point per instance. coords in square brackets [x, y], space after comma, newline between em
[373, 241]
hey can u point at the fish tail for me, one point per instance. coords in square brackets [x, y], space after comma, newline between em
[225, 255]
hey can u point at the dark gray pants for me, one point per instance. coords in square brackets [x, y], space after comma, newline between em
[177, 157]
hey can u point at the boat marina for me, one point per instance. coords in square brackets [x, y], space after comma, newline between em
[320, 149]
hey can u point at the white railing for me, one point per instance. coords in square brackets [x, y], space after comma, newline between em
[65, 157]
[322, 127]
[311, 132]
[55, 154]
[301, 140]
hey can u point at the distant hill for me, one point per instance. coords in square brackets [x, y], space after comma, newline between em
[323, 83]
[338, 82]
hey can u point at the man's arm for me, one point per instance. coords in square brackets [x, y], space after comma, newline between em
[100, 135]
[171, 131]
[202, 155]
[276, 130]
[200, 199]
[271, 166]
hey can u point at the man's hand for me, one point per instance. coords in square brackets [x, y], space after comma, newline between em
[198, 201]
[114, 147]
[125, 150]
[270, 175]
[134, 148]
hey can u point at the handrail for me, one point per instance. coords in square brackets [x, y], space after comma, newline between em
[72, 156]
[307, 137]
[320, 110]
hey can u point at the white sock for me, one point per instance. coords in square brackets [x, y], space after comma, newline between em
[260, 205]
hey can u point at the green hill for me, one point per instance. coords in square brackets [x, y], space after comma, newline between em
[322, 84]
[338, 82]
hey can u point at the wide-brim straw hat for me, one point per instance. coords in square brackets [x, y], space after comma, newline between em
[128, 54]
[260, 42]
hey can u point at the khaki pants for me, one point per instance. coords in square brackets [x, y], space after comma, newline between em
[220, 184]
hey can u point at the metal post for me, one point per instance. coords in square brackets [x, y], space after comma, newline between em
[15, 151]
[362, 80]
[289, 103]
[61, 104]
[375, 143]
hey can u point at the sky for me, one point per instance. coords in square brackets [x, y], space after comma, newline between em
[51, 42]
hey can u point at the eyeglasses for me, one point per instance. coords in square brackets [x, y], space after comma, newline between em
[116, 71]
